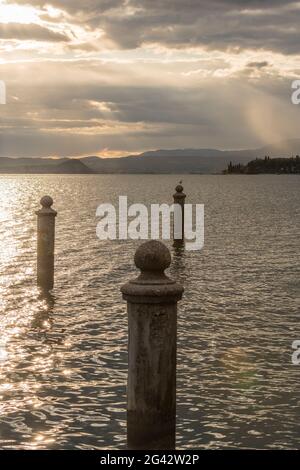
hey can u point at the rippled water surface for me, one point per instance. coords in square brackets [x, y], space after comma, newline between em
[63, 360]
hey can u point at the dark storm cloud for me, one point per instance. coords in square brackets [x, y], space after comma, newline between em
[104, 5]
[215, 24]
[71, 6]
[29, 32]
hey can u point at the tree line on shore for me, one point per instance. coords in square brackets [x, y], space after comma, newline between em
[266, 165]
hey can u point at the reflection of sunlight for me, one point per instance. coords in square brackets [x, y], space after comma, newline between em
[239, 368]
[7, 253]
[26, 355]
[16, 360]
[3, 352]
[40, 439]
[8, 248]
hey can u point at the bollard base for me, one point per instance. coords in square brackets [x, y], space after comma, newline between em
[150, 433]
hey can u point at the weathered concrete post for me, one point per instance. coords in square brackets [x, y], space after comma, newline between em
[152, 320]
[179, 198]
[45, 244]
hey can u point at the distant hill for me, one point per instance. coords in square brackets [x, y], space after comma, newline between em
[188, 160]
[73, 166]
[43, 166]
[176, 161]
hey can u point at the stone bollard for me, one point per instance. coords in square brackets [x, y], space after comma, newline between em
[152, 322]
[45, 244]
[179, 198]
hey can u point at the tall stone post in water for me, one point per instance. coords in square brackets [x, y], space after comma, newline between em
[45, 244]
[179, 198]
[152, 320]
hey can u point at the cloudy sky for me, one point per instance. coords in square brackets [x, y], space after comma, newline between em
[114, 77]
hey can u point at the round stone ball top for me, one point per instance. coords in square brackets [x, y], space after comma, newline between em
[152, 256]
[179, 188]
[46, 202]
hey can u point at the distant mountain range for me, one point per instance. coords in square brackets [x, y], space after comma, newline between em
[177, 161]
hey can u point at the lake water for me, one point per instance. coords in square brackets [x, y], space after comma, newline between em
[63, 360]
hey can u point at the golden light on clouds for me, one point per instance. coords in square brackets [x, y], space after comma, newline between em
[126, 76]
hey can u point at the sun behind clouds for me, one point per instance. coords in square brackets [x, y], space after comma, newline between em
[113, 77]
[13, 13]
